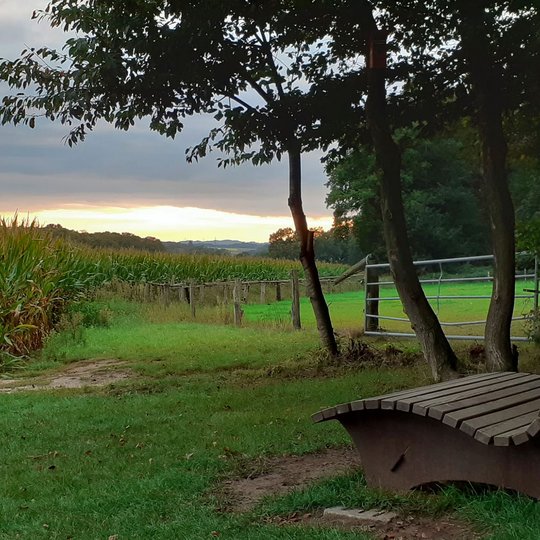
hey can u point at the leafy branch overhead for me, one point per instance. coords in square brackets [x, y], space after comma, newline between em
[266, 79]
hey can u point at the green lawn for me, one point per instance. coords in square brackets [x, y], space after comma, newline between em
[142, 458]
[347, 309]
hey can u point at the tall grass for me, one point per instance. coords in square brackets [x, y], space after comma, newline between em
[38, 276]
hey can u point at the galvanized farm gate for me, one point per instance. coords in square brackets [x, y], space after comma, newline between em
[372, 301]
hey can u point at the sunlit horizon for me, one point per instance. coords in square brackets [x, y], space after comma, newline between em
[168, 223]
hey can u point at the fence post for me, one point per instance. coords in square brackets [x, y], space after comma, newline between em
[371, 275]
[245, 293]
[278, 291]
[236, 301]
[166, 295]
[201, 293]
[192, 299]
[295, 308]
[263, 293]
[147, 292]
[535, 304]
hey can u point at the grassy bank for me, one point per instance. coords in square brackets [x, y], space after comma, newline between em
[144, 458]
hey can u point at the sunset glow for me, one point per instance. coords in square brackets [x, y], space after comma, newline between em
[169, 222]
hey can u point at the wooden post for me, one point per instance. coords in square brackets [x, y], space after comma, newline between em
[278, 291]
[192, 299]
[295, 308]
[147, 292]
[263, 293]
[201, 293]
[372, 307]
[245, 293]
[237, 306]
[166, 295]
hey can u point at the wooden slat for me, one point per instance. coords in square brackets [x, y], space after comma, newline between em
[455, 417]
[437, 408]
[433, 387]
[357, 405]
[343, 408]
[453, 393]
[470, 425]
[516, 436]
[329, 413]
[534, 428]
[520, 437]
[486, 434]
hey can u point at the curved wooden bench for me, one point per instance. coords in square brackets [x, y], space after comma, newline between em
[480, 429]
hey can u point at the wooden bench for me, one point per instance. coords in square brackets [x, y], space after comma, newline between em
[480, 429]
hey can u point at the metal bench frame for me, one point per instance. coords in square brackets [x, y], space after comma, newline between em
[479, 429]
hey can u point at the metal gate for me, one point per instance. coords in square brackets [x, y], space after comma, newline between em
[375, 269]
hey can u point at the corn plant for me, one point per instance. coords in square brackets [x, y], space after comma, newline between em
[38, 276]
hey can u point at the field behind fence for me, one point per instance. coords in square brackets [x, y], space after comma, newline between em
[270, 303]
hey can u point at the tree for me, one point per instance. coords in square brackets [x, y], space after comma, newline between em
[451, 60]
[370, 40]
[478, 59]
[439, 192]
[261, 68]
[335, 245]
[283, 244]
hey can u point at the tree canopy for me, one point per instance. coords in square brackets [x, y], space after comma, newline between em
[442, 207]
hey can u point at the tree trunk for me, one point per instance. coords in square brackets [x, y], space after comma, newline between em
[307, 254]
[424, 322]
[486, 84]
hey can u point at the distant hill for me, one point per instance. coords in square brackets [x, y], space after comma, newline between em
[127, 240]
[224, 247]
[107, 239]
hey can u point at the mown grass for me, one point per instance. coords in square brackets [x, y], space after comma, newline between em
[142, 458]
[347, 309]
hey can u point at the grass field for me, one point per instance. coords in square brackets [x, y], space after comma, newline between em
[144, 458]
[347, 309]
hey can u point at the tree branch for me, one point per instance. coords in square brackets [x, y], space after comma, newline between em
[270, 58]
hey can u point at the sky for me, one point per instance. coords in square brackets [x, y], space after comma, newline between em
[137, 181]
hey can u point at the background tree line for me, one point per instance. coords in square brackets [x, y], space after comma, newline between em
[444, 207]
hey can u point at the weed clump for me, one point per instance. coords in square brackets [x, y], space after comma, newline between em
[356, 353]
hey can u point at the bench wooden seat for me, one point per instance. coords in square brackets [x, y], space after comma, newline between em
[481, 429]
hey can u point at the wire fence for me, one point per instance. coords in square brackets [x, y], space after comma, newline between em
[373, 301]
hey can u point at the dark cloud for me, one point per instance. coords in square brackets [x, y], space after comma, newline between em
[38, 170]
[140, 167]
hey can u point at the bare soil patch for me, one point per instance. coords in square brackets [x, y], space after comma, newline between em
[285, 474]
[76, 375]
[401, 528]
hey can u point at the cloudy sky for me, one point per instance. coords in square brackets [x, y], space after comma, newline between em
[137, 181]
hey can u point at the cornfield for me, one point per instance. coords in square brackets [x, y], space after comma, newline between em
[39, 276]
[140, 267]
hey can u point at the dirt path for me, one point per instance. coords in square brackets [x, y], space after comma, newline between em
[76, 375]
[288, 473]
